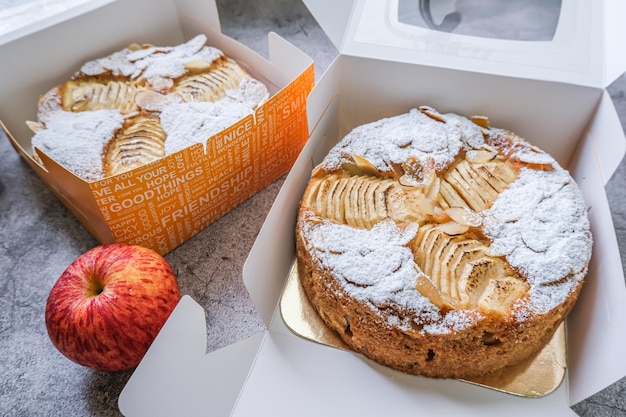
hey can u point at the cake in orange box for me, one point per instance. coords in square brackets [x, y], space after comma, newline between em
[440, 246]
[142, 103]
[150, 144]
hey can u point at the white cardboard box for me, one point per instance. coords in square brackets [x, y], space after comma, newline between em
[552, 93]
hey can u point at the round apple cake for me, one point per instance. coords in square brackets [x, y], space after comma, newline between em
[141, 103]
[440, 246]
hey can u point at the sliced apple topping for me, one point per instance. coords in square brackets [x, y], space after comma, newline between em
[449, 197]
[460, 273]
[141, 141]
[500, 294]
[363, 201]
[476, 275]
[91, 95]
[318, 171]
[475, 185]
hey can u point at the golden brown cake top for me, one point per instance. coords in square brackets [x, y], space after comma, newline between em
[537, 222]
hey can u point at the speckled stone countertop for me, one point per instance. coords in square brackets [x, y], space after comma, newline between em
[40, 238]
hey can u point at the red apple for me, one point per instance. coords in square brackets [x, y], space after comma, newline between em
[107, 307]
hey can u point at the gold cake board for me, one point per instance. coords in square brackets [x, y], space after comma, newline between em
[536, 377]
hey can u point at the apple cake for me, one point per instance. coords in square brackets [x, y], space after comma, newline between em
[141, 103]
[440, 246]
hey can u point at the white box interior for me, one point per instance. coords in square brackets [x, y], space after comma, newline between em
[287, 375]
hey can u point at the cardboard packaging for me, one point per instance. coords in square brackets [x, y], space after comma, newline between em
[164, 203]
[550, 92]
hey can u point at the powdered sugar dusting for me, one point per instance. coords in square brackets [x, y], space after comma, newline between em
[190, 123]
[194, 122]
[374, 266]
[531, 156]
[472, 133]
[77, 140]
[540, 225]
[392, 140]
[155, 62]
[117, 63]
[454, 320]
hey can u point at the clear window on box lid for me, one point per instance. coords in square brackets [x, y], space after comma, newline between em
[519, 20]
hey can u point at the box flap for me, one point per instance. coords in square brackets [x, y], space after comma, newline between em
[596, 323]
[333, 19]
[292, 376]
[585, 34]
[591, 149]
[177, 377]
[267, 266]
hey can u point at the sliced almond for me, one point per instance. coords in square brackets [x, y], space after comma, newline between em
[482, 121]
[34, 126]
[315, 220]
[162, 84]
[365, 166]
[409, 181]
[318, 171]
[134, 47]
[428, 289]
[197, 65]
[433, 188]
[480, 156]
[432, 113]
[453, 228]
[150, 100]
[464, 216]
[413, 166]
[428, 206]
